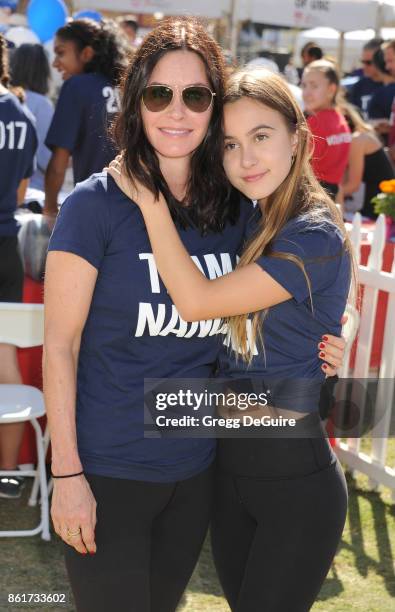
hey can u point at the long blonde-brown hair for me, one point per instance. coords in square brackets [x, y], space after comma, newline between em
[300, 194]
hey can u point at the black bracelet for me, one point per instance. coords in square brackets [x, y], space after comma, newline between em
[66, 475]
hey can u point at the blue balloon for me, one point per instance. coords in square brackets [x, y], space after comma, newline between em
[12, 4]
[45, 17]
[95, 15]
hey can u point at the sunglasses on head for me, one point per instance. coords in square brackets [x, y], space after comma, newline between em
[197, 98]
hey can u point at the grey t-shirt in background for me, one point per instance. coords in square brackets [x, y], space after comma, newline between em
[42, 109]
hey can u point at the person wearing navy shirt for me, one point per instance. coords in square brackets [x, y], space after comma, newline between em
[280, 500]
[380, 104]
[107, 309]
[290, 352]
[362, 93]
[111, 324]
[137, 332]
[18, 144]
[370, 80]
[90, 56]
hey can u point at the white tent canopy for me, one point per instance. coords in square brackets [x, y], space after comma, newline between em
[204, 8]
[343, 15]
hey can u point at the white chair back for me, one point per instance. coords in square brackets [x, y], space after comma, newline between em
[21, 324]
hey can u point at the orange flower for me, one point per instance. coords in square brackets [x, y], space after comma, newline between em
[387, 186]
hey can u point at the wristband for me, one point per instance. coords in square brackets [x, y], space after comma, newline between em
[66, 475]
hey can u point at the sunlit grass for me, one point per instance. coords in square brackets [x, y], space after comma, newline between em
[362, 576]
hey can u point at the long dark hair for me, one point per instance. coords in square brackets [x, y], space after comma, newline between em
[209, 201]
[30, 68]
[107, 41]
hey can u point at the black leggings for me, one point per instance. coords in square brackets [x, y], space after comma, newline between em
[11, 270]
[279, 510]
[148, 536]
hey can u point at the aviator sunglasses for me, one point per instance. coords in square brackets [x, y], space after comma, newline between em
[197, 98]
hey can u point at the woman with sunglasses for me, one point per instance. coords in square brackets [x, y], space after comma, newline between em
[110, 324]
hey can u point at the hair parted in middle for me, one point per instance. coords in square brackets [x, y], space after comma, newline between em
[299, 195]
[208, 203]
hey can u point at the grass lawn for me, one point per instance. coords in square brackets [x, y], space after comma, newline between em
[362, 576]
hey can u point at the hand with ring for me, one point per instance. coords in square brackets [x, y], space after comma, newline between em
[73, 513]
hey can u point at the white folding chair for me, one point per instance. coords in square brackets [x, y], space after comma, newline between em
[23, 326]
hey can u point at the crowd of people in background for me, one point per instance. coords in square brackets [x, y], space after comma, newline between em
[353, 130]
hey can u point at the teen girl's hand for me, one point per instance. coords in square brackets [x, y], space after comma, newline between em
[331, 351]
[136, 191]
[73, 513]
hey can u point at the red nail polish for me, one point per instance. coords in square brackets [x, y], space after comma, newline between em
[321, 345]
[324, 366]
[91, 552]
[322, 354]
[325, 338]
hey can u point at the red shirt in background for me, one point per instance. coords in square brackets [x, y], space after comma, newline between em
[332, 138]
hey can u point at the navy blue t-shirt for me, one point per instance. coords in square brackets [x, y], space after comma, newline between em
[289, 363]
[134, 332]
[18, 144]
[380, 104]
[361, 93]
[86, 105]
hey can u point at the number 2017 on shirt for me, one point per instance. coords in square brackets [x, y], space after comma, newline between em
[13, 135]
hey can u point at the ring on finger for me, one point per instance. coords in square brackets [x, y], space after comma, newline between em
[72, 534]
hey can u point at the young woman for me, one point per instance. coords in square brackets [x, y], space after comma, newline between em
[108, 312]
[30, 70]
[331, 134]
[18, 144]
[368, 161]
[280, 503]
[91, 57]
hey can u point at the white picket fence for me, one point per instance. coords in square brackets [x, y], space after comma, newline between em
[375, 464]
